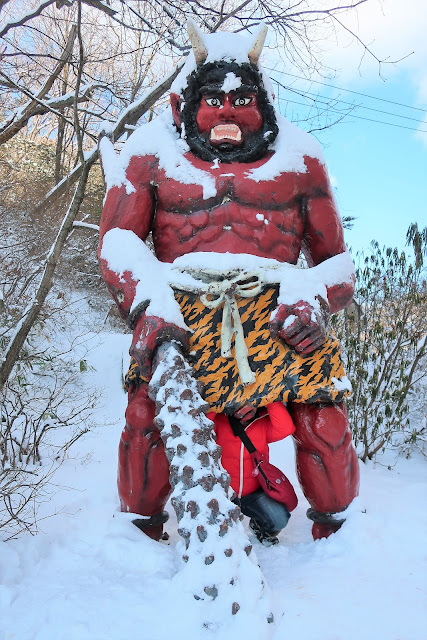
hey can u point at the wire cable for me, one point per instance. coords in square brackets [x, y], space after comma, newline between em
[329, 108]
[357, 106]
[358, 93]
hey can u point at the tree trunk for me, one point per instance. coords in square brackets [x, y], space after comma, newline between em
[30, 315]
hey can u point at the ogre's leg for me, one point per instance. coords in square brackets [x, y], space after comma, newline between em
[327, 463]
[143, 474]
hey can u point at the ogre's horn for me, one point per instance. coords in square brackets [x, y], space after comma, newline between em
[199, 47]
[257, 46]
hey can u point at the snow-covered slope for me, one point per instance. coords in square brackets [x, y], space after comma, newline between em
[90, 574]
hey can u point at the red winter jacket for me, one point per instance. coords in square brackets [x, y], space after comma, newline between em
[275, 424]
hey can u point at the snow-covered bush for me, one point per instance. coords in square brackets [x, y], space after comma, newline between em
[384, 339]
[44, 406]
[44, 409]
[39, 422]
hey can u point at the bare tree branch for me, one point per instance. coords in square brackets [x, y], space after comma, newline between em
[26, 18]
[77, 127]
[30, 315]
[39, 107]
[65, 56]
[102, 6]
[129, 116]
[3, 3]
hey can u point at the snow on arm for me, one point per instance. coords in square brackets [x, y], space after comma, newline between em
[124, 251]
[342, 384]
[308, 284]
[294, 284]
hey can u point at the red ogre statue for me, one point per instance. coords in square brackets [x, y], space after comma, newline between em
[222, 173]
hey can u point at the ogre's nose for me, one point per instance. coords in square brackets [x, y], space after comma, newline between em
[227, 111]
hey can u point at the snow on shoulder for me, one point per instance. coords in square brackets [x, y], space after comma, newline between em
[159, 138]
[114, 172]
[290, 147]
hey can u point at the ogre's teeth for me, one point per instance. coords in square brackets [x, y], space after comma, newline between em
[226, 132]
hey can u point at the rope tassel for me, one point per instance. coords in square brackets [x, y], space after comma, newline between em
[224, 292]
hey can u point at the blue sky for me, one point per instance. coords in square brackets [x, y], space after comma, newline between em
[379, 172]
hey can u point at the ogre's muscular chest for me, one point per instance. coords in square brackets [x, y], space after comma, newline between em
[263, 218]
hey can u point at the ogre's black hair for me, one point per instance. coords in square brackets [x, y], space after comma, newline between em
[255, 145]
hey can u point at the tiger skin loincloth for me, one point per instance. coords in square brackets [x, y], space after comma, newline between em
[280, 373]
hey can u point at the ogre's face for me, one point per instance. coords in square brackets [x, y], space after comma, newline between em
[226, 113]
[225, 119]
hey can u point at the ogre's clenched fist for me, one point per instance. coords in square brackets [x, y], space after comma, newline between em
[301, 326]
[149, 333]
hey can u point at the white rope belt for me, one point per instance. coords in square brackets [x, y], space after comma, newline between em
[224, 292]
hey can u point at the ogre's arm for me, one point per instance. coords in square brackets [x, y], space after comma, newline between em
[131, 207]
[300, 324]
[323, 232]
[132, 273]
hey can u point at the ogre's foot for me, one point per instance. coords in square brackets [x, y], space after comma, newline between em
[319, 531]
[152, 526]
[325, 524]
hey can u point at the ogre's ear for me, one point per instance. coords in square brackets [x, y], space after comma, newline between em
[176, 108]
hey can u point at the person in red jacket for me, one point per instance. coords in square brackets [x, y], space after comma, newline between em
[269, 424]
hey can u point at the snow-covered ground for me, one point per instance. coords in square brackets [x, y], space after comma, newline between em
[89, 574]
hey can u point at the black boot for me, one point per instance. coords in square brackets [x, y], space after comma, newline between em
[152, 526]
[325, 524]
[266, 538]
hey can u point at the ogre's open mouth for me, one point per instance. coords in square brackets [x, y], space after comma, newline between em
[226, 133]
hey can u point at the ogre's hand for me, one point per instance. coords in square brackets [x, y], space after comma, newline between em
[149, 333]
[301, 326]
[245, 414]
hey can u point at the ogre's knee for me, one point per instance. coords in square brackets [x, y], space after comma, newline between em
[320, 426]
[140, 411]
[327, 464]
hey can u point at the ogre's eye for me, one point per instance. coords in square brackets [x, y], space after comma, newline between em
[213, 102]
[242, 102]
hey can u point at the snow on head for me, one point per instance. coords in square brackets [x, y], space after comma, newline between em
[231, 82]
[230, 47]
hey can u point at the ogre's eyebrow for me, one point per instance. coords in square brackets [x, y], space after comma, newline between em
[217, 88]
